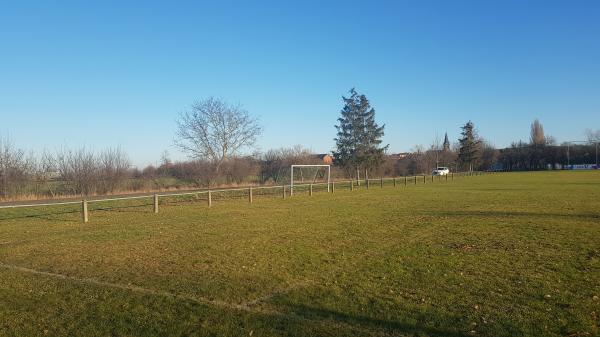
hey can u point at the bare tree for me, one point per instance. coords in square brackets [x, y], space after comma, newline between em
[199, 172]
[214, 130]
[278, 161]
[114, 168]
[489, 155]
[44, 171]
[592, 136]
[79, 168]
[537, 133]
[14, 169]
[240, 169]
[418, 160]
[437, 147]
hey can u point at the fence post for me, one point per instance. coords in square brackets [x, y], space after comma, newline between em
[405, 180]
[155, 203]
[452, 175]
[415, 180]
[333, 187]
[84, 211]
[250, 194]
[394, 182]
[310, 190]
[381, 182]
[351, 185]
[209, 198]
[432, 176]
[367, 181]
[446, 177]
[283, 191]
[424, 177]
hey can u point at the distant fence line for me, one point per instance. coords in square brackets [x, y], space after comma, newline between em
[209, 195]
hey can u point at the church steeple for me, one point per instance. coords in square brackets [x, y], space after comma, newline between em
[446, 142]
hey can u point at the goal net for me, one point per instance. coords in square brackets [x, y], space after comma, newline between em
[309, 174]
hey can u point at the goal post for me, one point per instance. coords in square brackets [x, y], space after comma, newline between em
[301, 166]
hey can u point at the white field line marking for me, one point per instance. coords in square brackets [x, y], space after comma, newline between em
[7, 243]
[246, 306]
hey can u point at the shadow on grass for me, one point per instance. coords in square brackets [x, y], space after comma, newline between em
[42, 216]
[123, 209]
[513, 214]
[371, 323]
[52, 216]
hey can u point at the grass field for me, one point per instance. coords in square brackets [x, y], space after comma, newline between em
[514, 254]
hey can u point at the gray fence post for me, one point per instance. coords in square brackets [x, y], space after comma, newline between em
[333, 187]
[250, 195]
[84, 211]
[155, 203]
[283, 191]
[310, 190]
[209, 198]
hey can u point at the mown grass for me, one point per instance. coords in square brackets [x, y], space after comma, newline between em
[514, 254]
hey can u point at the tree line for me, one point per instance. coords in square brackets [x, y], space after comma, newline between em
[77, 172]
[217, 136]
[66, 172]
[359, 146]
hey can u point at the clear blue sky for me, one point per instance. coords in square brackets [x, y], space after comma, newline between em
[117, 73]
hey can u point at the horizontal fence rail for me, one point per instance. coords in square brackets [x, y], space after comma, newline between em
[249, 193]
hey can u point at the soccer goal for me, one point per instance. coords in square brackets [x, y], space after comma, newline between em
[309, 173]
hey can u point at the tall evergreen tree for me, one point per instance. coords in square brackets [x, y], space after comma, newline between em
[470, 145]
[359, 136]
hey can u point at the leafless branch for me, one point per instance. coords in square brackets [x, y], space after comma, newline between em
[214, 130]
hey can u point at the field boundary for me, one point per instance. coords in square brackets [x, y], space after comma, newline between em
[250, 192]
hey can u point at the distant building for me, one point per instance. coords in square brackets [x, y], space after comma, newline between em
[398, 156]
[446, 143]
[327, 159]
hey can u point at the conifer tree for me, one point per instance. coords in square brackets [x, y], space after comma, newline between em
[469, 145]
[359, 136]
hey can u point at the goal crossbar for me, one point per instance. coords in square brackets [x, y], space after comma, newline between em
[305, 165]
